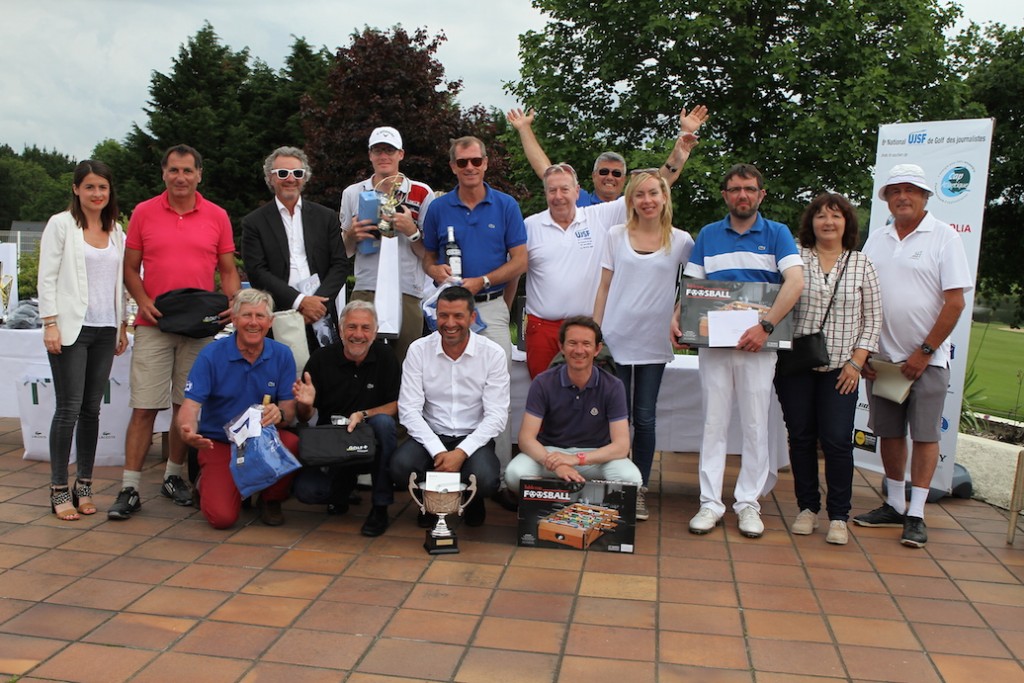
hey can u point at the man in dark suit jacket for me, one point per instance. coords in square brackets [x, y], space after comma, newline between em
[288, 240]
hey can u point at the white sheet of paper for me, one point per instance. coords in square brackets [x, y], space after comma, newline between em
[726, 327]
[442, 481]
[247, 425]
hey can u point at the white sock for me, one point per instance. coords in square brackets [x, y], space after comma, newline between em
[896, 495]
[173, 469]
[132, 479]
[918, 497]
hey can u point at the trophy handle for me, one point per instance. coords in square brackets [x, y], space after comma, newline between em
[471, 490]
[412, 492]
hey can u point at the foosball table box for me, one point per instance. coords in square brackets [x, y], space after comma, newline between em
[595, 515]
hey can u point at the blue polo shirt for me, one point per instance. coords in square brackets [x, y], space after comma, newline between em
[571, 418]
[485, 233]
[225, 383]
[758, 255]
[588, 198]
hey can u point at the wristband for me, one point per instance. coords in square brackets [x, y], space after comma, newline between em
[854, 365]
[582, 457]
[416, 236]
[50, 324]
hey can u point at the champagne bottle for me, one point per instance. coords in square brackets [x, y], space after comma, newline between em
[453, 254]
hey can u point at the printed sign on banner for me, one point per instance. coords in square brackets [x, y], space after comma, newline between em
[955, 159]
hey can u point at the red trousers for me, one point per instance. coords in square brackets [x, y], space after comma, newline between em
[219, 499]
[541, 343]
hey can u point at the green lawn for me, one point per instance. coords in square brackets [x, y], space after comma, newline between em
[998, 358]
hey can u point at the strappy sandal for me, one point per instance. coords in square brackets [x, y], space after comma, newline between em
[82, 497]
[61, 496]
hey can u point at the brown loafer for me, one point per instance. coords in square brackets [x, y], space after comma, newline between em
[270, 512]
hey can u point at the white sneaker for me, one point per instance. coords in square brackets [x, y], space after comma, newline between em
[837, 533]
[805, 523]
[751, 525]
[704, 521]
[642, 513]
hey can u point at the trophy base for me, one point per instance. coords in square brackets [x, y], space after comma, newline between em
[447, 545]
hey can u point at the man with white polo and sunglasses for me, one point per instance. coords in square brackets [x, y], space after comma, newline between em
[290, 239]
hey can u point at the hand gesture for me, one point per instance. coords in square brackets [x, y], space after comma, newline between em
[520, 119]
[305, 392]
[689, 123]
[191, 438]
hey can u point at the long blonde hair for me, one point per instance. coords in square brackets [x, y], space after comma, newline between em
[637, 178]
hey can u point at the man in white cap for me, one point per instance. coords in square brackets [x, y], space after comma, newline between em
[386, 153]
[923, 275]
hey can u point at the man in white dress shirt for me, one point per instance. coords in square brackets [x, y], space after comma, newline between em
[454, 401]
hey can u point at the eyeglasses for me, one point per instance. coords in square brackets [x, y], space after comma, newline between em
[748, 189]
[616, 173]
[560, 168]
[476, 161]
[384, 149]
[283, 173]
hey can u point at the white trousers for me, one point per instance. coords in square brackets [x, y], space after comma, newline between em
[742, 378]
[496, 315]
[523, 465]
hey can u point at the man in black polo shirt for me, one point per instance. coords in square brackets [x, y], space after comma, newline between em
[357, 378]
[575, 426]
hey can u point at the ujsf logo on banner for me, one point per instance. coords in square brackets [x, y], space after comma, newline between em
[955, 182]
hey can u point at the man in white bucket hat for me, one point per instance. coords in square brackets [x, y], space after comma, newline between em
[923, 276]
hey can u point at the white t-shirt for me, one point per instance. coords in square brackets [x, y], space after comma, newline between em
[641, 298]
[102, 270]
[565, 265]
[913, 273]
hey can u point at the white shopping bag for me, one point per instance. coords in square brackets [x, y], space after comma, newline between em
[35, 408]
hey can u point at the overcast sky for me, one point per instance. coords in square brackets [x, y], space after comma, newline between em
[75, 72]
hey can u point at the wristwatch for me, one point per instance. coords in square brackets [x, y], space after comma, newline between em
[926, 349]
[767, 326]
[365, 415]
[487, 282]
[416, 236]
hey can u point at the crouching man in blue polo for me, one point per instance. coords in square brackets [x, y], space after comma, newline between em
[575, 426]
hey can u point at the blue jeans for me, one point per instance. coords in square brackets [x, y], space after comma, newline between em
[80, 374]
[815, 412]
[643, 382]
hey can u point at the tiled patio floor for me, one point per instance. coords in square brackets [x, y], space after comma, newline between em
[164, 597]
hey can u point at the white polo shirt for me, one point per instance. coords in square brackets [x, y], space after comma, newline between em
[565, 265]
[913, 273]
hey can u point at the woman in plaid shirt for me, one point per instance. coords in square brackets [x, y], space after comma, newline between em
[819, 404]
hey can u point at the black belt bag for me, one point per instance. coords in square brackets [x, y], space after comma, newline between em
[326, 445]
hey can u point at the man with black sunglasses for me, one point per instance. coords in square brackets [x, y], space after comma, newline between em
[288, 240]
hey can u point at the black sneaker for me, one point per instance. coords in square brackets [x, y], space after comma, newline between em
[915, 533]
[177, 490]
[127, 502]
[885, 516]
[376, 522]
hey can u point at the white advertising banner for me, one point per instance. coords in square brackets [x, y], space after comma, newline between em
[955, 159]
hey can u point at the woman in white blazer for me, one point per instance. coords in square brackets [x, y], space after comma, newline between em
[82, 304]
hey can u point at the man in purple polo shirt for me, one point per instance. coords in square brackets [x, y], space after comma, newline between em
[575, 426]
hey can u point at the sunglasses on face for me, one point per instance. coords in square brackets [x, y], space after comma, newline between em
[283, 173]
[616, 173]
[476, 161]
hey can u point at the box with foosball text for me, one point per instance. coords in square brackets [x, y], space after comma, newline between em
[592, 515]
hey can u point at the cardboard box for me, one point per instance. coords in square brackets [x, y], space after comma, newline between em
[595, 515]
[702, 296]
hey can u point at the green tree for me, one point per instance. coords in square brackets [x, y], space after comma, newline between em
[797, 88]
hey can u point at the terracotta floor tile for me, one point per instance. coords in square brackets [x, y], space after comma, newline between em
[960, 669]
[520, 634]
[618, 563]
[251, 557]
[463, 574]
[264, 610]
[144, 631]
[138, 570]
[480, 665]
[99, 593]
[1014, 641]
[994, 593]
[548, 558]
[786, 626]
[845, 580]
[55, 621]
[482, 553]
[367, 591]
[13, 555]
[392, 568]
[141, 524]
[525, 605]
[961, 553]
[915, 565]
[624, 643]
[690, 546]
[394, 545]
[171, 549]
[455, 599]
[65, 562]
[19, 653]
[752, 550]
[287, 584]
[220, 639]
[40, 536]
[723, 621]
[675, 673]
[922, 586]
[1002, 617]
[272, 672]
[328, 650]
[262, 536]
[103, 542]
[771, 574]
[702, 650]
[624, 586]
[767, 677]
[894, 666]
[212, 577]
[87, 663]
[717, 593]
[873, 633]
[875, 605]
[201, 669]
[350, 617]
[628, 613]
[672, 567]
[413, 659]
[178, 602]
[26, 585]
[434, 627]
[540, 579]
[315, 561]
[932, 611]
[848, 557]
[196, 529]
[957, 640]
[781, 598]
[576, 669]
[789, 657]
